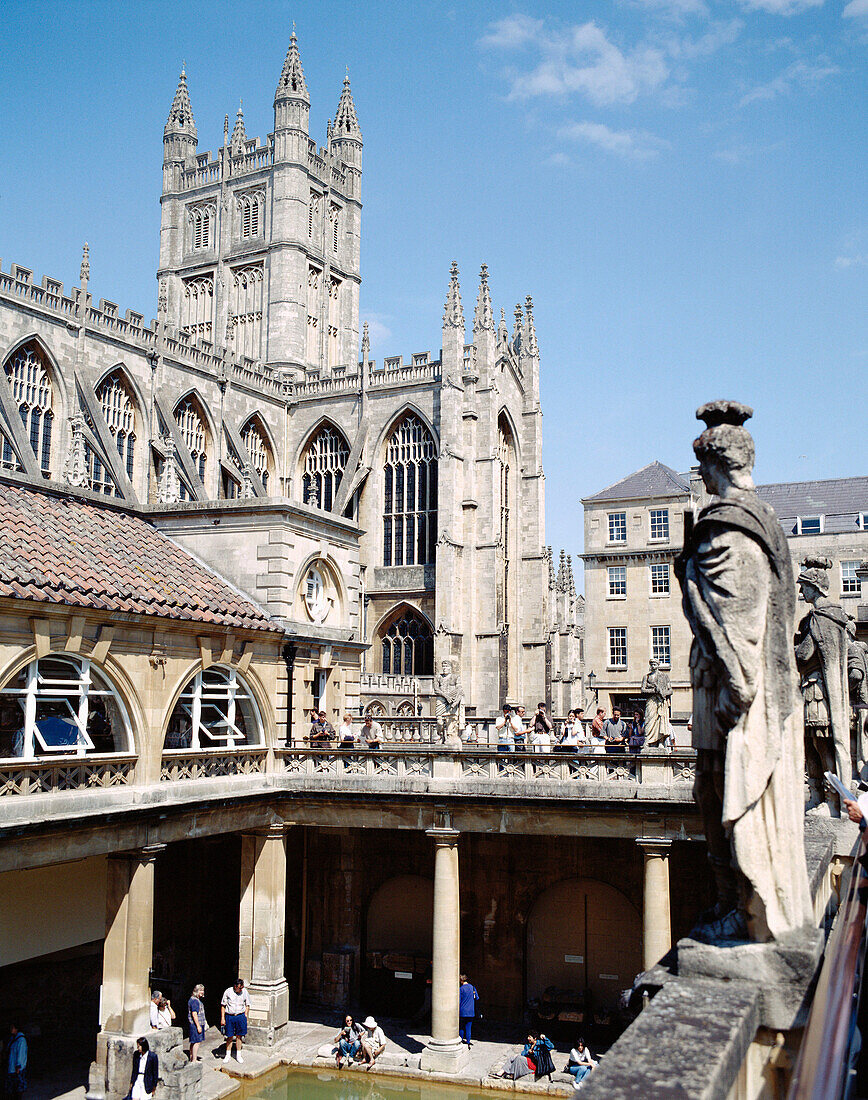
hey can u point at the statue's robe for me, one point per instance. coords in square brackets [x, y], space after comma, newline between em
[739, 597]
[659, 691]
[821, 646]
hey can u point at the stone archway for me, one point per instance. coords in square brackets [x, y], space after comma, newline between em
[584, 936]
[398, 935]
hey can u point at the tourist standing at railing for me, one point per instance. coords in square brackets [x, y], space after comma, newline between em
[571, 734]
[597, 724]
[506, 727]
[615, 732]
[541, 738]
[522, 732]
[346, 733]
[637, 732]
[372, 733]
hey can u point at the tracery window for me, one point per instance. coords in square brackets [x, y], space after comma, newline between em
[334, 288]
[410, 495]
[202, 226]
[31, 389]
[254, 440]
[408, 646]
[250, 214]
[61, 706]
[246, 319]
[313, 281]
[334, 219]
[324, 462]
[194, 434]
[119, 413]
[505, 467]
[198, 307]
[312, 212]
[215, 710]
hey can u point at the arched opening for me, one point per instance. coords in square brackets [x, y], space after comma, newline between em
[261, 457]
[583, 946]
[410, 494]
[323, 463]
[61, 705]
[118, 409]
[398, 936]
[406, 644]
[216, 710]
[30, 381]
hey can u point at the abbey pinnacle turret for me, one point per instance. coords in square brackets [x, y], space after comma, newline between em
[260, 243]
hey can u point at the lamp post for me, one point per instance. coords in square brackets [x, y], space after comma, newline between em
[592, 681]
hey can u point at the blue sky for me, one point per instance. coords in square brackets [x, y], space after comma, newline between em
[679, 184]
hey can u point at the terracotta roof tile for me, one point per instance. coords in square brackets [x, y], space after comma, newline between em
[57, 549]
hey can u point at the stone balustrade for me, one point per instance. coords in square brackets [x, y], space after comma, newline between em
[180, 764]
[73, 773]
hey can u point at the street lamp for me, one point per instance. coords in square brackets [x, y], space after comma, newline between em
[592, 680]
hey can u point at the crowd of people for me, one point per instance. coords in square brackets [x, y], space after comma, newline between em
[324, 736]
[602, 735]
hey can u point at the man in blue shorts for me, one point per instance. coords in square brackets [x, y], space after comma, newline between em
[234, 1010]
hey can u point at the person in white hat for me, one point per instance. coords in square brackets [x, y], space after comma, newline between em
[373, 1041]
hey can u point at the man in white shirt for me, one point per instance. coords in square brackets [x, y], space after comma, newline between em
[234, 1010]
[374, 1041]
[507, 726]
[154, 1011]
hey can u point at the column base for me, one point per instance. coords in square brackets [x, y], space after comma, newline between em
[269, 1012]
[445, 1056]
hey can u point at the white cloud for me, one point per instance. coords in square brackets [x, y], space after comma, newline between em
[781, 7]
[738, 154]
[800, 73]
[720, 34]
[843, 262]
[579, 59]
[675, 9]
[378, 330]
[856, 9]
[631, 144]
[558, 160]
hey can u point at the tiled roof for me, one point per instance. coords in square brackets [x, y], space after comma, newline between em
[62, 549]
[839, 499]
[653, 480]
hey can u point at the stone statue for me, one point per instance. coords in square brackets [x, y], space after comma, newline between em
[449, 703]
[821, 656]
[857, 674]
[739, 598]
[657, 686]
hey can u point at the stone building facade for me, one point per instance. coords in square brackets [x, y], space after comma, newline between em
[249, 385]
[634, 530]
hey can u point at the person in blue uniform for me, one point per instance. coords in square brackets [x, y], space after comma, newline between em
[467, 998]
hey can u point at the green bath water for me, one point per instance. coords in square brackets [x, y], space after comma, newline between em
[298, 1084]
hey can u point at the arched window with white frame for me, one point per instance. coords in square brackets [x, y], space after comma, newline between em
[253, 438]
[216, 710]
[29, 378]
[323, 464]
[61, 705]
[410, 495]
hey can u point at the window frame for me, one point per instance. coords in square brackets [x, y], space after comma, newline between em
[656, 647]
[196, 692]
[801, 520]
[664, 512]
[611, 662]
[651, 582]
[611, 537]
[613, 595]
[856, 589]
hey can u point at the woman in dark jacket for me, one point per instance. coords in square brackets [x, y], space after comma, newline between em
[146, 1072]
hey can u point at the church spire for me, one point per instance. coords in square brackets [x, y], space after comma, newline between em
[532, 346]
[483, 317]
[239, 135]
[346, 125]
[179, 135]
[453, 314]
[292, 84]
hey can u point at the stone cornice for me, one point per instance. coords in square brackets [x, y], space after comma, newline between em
[649, 553]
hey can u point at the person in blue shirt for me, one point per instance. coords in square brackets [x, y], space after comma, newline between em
[16, 1064]
[467, 998]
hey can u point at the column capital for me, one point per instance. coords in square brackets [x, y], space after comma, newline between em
[147, 854]
[443, 837]
[275, 831]
[654, 845]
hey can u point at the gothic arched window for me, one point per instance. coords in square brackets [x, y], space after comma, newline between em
[194, 433]
[324, 462]
[202, 226]
[408, 646]
[254, 440]
[506, 470]
[246, 319]
[410, 495]
[30, 381]
[250, 213]
[119, 412]
[198, 307]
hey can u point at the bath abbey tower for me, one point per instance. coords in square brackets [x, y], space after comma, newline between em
[411, 522]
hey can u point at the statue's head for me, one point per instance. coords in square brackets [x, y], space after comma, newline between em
[725, 449]
[446, 666]
[653, 664]
[813, 578]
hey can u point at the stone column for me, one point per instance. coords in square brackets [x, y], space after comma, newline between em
[261, 933]
[445, 1052]
[656, 920]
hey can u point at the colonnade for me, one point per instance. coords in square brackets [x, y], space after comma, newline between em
[129, 938]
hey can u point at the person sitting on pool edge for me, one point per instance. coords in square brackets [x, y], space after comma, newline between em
[373, 1041]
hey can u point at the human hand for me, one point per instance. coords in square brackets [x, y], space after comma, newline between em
[853, 811]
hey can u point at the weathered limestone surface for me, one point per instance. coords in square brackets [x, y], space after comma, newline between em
[110, 1074]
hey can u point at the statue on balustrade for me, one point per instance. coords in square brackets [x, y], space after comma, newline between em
[857, 674]
[739, 598]
[449, 703]
[658, 688]
[821, 655]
